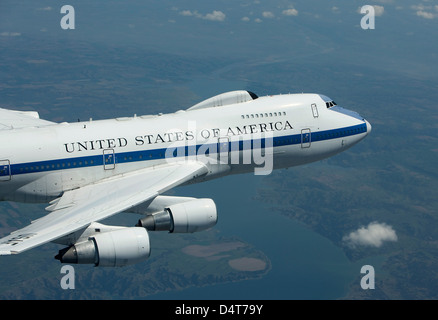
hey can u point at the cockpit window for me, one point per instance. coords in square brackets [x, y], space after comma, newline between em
[252, 94]
[330, 104]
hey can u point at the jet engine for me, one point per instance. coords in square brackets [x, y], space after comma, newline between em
[184, 217]
[116, 248]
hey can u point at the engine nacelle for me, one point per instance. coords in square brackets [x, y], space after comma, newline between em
[109, 249]
[186, 217]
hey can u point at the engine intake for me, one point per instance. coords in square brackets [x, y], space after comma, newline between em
[110, 249]
[186, 217]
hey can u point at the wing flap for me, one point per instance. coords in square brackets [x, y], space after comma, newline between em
[77, 208]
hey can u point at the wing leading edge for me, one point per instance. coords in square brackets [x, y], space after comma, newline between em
[78, 208]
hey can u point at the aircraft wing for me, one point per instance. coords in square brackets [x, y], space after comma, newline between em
[11, 119]
[78, 208]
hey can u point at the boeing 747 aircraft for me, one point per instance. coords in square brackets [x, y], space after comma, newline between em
[89, 171]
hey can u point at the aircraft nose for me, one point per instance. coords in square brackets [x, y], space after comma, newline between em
[369, 127]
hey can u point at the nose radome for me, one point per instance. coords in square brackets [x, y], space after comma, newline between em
[369, 127]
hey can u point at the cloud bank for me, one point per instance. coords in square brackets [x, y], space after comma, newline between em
[10, 34]
[373, 235]
[214, 16]
[268, 14]
[426, 12]
[378, 10]
[290, 12]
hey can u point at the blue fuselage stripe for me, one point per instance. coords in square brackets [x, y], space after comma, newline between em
[157, 154]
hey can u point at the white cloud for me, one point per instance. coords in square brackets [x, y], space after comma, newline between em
[373, 235]
[384, 1]
[246, 19]
[268, 14]
[186, 13]
[425, 14]
[420, 11]
[10, 34]
[214, 16]
[258, 20]
[419, 7]
[378, 10]
[290, 12]
[45, 9]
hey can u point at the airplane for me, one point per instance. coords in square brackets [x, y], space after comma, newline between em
[91, 170]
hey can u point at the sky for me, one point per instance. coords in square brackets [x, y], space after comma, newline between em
[236, 27]
[254, 33]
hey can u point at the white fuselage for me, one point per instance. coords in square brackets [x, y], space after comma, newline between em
[38, 164]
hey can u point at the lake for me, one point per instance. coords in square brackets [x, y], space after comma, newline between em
[305, 265]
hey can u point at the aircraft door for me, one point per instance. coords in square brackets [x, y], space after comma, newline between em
[5, 170]
[314, 110]
[305, 138]
[223, 150]
[109, 159]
